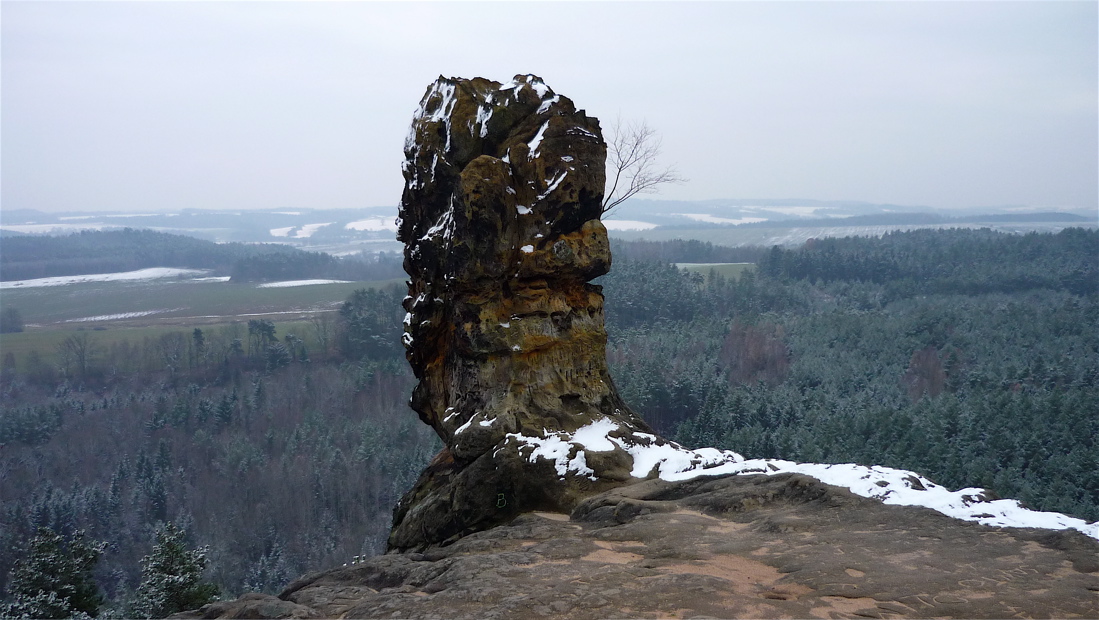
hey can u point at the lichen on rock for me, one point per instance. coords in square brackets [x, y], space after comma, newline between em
[500, 221]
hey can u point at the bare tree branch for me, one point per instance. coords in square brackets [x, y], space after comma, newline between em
[631, 163]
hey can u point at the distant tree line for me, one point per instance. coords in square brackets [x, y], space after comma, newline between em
[28, 257]
[919, 219]
[684, 251]
[947, 261]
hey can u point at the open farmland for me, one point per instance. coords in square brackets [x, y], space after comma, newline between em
[169, 302]
[134, 311]
[47, 343]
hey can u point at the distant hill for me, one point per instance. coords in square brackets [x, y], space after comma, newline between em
[91, 251]
[328, 230]
[916, 219]
[26, 257]
[724, 222]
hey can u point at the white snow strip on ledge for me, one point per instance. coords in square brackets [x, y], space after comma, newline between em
[892, 486]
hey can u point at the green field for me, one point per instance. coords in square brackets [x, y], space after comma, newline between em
[728, 270]
[47, 341]
[91, 304]
[105, 310]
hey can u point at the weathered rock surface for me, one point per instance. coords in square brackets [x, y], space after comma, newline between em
[500, 220]
[737, 546]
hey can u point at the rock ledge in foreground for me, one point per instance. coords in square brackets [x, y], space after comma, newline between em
[782, 546]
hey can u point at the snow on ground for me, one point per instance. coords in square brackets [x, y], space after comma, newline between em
[48, 228]
[308, 230]
[628, 225]
[299, 283]
[152, 273]
[373, 224]
[797, 211]
[673, 462]
[124, 315]
[300, 232]
[713, 219]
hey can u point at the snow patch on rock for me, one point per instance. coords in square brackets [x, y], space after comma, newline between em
[672, 462]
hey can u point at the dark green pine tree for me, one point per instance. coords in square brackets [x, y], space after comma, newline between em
[54, 579]
[171, 577]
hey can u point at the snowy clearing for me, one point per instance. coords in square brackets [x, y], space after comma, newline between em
[123, 315]
[672, 462]
[713, 219]
[300, 232]
[289, 283]
[152, 273]
[48, 228]
[797, 211]
[628, 225]
[373, 224]
[308, 230]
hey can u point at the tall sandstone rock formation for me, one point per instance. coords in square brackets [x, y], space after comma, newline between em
[500, 221]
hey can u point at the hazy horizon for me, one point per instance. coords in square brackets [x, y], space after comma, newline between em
[142, 107]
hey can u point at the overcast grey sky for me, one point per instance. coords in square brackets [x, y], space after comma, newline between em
[150, 106]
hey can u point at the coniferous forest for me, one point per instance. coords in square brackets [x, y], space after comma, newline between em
[969, 356]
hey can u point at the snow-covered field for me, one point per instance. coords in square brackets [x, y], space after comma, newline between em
[302, 232]
[713, 219]
[152, 273]
[35, 229]
[794, 211]
[373, 224]
[308, 230]
[121, 315]
[628, 225]
[289, 283]
[673, 462]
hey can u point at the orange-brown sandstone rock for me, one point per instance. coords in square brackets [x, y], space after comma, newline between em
[500, 220]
